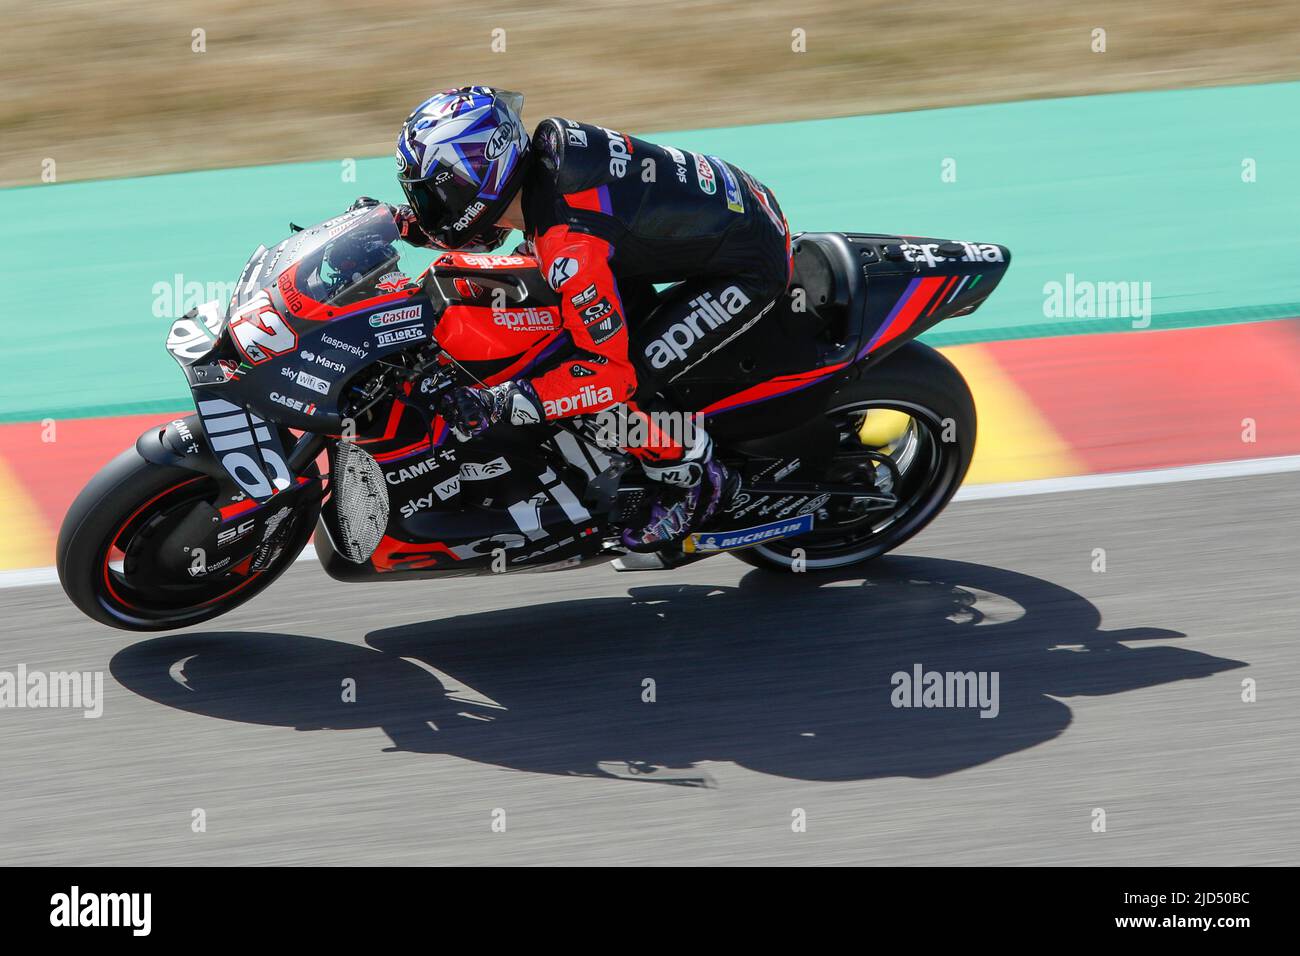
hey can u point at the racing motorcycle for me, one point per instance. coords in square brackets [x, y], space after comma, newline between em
[312, 389]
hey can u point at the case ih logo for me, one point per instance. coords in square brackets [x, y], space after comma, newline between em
[395, 317]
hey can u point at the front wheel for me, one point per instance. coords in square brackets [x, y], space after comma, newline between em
[108, 551]
[905, 429]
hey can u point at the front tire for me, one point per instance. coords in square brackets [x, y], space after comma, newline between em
[127, 502]
[930, 416]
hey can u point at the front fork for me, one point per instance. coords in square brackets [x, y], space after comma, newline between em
[230, 520]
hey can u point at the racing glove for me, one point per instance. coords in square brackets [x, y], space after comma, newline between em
[408, 227]
[472, 411]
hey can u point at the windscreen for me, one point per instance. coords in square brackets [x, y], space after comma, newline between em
[340, 260]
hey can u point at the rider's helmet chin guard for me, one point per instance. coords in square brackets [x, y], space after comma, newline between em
[461, 157]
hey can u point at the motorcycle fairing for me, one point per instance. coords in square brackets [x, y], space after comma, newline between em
[853, 299]
[233, 525]
[502, 502]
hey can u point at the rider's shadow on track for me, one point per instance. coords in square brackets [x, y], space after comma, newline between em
[785, 675]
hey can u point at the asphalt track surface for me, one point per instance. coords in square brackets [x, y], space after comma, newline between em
[1119, 690]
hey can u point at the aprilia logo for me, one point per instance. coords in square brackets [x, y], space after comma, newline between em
[927, 253]
[478, 261]
[525, 320]
[619, 153]
[587, 397]
[678, 338]
[472, 213]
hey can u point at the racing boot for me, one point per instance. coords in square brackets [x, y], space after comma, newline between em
[692, 491]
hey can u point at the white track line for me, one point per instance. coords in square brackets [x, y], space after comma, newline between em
[1126, 479]
[29, 577]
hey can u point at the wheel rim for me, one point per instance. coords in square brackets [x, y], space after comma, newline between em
[137, 597]
[897, 447]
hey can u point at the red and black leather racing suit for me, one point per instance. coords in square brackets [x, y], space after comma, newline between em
[611, 216]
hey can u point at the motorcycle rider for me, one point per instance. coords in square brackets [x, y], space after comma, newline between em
[608, 217]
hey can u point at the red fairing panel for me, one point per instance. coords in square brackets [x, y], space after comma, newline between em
[475, 333]
[576, 266]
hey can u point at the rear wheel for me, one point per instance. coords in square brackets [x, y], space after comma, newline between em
[906, 431]
[107, 552]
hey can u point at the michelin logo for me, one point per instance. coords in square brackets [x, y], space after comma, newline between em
[747, 537]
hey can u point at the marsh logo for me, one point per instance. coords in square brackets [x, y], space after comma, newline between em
[948, 689]
[677, 339]
[1081, 299]
[77, 909]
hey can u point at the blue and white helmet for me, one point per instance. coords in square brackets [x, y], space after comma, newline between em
[461, 157]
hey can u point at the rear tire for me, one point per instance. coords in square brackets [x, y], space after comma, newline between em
[117, 504]
[923, 385]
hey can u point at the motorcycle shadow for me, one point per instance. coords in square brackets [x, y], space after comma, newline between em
[791, 676]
